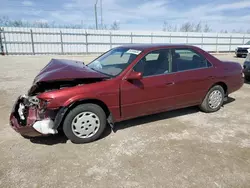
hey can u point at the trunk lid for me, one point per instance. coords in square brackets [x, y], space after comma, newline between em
[232, 66]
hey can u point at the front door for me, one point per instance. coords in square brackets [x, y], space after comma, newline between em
[153, 93]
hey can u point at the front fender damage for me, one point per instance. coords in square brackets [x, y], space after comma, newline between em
[30, 115]
[29, 119]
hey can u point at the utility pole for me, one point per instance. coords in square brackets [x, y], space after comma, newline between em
[96, 23]
[101, 15]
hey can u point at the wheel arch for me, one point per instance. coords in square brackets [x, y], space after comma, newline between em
[62, 113]
[223, 85]
[220, 83]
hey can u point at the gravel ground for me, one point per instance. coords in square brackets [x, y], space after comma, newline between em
[182, 148]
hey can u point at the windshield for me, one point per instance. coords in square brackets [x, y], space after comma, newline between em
[248, 43]
[115, 61]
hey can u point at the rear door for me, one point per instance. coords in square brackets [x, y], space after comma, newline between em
[193, 77]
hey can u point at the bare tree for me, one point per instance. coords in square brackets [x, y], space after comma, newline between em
[175, 28]
[103, 27]
[42, 24]
[198, 27]
[223, 31]
[4, 21]
[169, 27]
[238, 31]
[187, 27]
[115, 26]
[164, 26]
[207, 28]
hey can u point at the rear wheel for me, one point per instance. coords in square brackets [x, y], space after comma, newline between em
[85, 123]
[213, 100]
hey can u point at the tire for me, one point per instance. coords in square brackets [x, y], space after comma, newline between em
[247, 78]
[85, 128]
[238, 55]
[26, 137]
[206, 105]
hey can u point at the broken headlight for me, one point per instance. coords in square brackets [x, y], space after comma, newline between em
[43, 103]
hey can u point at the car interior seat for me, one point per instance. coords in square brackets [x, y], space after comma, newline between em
[162, 64]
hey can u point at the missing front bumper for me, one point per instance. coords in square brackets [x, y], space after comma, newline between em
[27, 121]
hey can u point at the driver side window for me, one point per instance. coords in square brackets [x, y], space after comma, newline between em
[155, 63]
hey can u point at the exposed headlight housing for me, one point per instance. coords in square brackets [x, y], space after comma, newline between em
[43, 103]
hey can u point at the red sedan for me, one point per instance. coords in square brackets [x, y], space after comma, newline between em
[123, 83]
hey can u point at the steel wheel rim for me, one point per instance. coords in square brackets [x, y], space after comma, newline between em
[215, 99]
[85, 124]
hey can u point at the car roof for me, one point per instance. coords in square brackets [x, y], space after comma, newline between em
[143, 47]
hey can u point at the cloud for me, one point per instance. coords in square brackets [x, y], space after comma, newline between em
[232, 6]
[139, 14]
[27, 3]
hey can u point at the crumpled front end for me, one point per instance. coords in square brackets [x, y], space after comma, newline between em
[42, 110]
[30, 118]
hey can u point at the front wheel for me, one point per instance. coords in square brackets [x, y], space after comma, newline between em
[213, 100]
[85, 123]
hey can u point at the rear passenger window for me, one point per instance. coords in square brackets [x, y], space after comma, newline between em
[187, 59]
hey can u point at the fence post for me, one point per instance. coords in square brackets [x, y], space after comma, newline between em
[244, 39]
[5, 43]
[230, 43]
[170, 38]
[1, 42]
[86, 39]
[217, 42]
[110, 40]
[187, 39]
[61, 39]
[151, 38]
[131, 39]
[32, 42]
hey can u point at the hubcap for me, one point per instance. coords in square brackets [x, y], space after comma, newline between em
[215, 99]
[85, 124]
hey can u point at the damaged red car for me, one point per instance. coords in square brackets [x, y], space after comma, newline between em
[125, 82]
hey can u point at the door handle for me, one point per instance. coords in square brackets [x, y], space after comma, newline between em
[170, 83]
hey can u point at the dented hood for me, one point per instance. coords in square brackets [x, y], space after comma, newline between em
[60, 69]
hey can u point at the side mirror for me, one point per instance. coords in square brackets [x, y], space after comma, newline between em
[134, 76]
